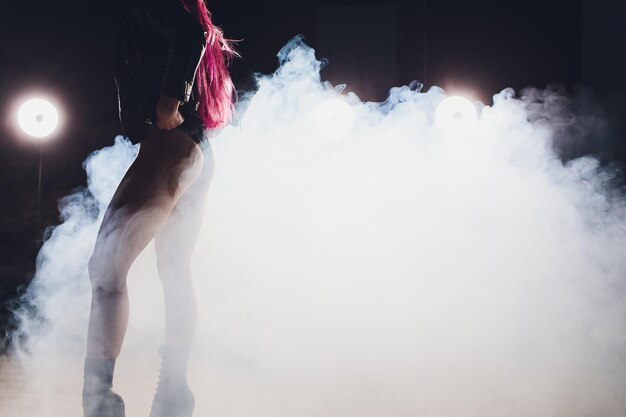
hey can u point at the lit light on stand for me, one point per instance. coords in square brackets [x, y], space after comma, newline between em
[456, 115]
[334, 118]
[38, 118]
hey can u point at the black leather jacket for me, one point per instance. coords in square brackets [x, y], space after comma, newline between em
[158, 51]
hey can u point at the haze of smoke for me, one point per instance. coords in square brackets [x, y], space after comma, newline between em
[393, 271]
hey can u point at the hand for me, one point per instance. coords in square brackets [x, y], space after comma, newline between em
[167, 114]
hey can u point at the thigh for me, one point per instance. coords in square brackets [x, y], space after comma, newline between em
[167, 164]
[177, 238]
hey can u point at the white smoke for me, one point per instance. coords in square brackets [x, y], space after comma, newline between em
[392, 271]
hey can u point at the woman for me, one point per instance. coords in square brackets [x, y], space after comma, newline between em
[174, 92]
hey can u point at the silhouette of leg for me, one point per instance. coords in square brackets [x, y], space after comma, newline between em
[174, 247]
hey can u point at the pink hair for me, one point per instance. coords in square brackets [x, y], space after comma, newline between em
[213, 87]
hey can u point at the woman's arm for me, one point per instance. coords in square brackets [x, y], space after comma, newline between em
[187, 41]
[187, 44]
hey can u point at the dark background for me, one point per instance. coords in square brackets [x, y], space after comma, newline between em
[482, 46]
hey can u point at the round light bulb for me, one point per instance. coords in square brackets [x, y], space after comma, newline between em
[456, 115]
[334, 118]
[38, 117]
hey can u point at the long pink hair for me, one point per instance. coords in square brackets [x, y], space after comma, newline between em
[213, 87]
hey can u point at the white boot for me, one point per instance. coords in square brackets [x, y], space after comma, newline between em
[173, 396]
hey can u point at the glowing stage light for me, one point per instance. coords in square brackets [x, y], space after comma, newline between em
[38, 117]
[456, 115]
[334, 118]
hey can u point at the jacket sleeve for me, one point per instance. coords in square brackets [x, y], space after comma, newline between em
[187, 41]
